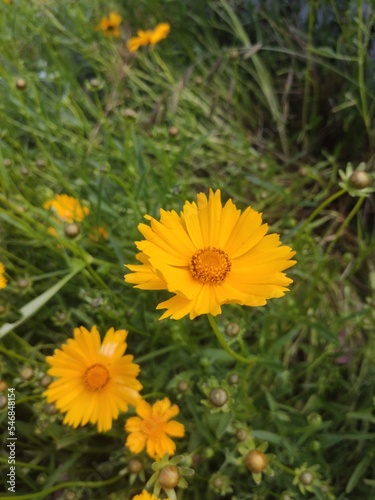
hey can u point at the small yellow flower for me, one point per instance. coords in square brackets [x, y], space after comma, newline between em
[210, 255]
[67, 208]
[146, 496]
[159, 33]
[149, 37]
[110, 25]
[97, 233]
[152, 427]
[95, 380]
[3, 280]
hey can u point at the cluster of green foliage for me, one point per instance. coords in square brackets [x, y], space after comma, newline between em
[266, 101]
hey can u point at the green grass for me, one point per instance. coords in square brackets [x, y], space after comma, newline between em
[268, 109]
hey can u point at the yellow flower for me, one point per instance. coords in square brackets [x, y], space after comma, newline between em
[110, 25]
[67, 208]
[95, 380]
[149, 37]
[146, 496]
[97, 233]
[3, 280]
[208, 256]
[152, 427]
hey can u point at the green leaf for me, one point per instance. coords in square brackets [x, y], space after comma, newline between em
[28, 310]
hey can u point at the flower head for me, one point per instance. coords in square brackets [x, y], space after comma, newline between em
[3, 280]
[153, 427]
[110, 25]
[146, 496]
[210, 255]
[67, 208]
[149, 37]
[95, 380]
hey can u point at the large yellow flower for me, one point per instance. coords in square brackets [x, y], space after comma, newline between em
[95, 380]
[3, 280]
[67, 208]
[208, 256]
[149, 37]
[110, 25]
[152, 428]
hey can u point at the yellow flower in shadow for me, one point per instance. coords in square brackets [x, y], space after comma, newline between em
[67, 208]
[3, 280]
[149, 37]
[110, 25]
[153, 427]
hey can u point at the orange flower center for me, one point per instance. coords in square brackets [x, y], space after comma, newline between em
[210, 265]
[96, 377]
[151, 427]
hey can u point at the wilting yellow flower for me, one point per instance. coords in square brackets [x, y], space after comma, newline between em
[210, 255]
[67, 208]
[95, 380]
[152, 427]
[149, 37]
[146, 496]
[110, 25]
[3, 280]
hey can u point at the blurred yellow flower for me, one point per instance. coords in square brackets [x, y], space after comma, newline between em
[146, 496]
[97, 233]
[150, 37]
[95, 380]
[110, 25]
[208, 256]
[67, 208]
[152, 428]
[3, 280]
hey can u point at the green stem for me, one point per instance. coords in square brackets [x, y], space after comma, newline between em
[225, 346]
[343, 226]
[326, 202]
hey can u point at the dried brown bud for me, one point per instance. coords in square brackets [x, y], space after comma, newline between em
[169, 477]
[27, 373]
[256, 461]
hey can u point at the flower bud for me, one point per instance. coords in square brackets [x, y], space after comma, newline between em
[135, 465]
[45, 381]
[242, 434]
[256, 461]
[173, 131]
[233, 379]
[218, 396]
[183, 386]
[7, 162]
[27, 373]
[40, 163]
[360, 179]
[71, 230]
[232, 329]
[23, 283]
[306, 477]
[3, 386]
[169, 477]
[50, 409]
[21, 83]
[3, 401]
